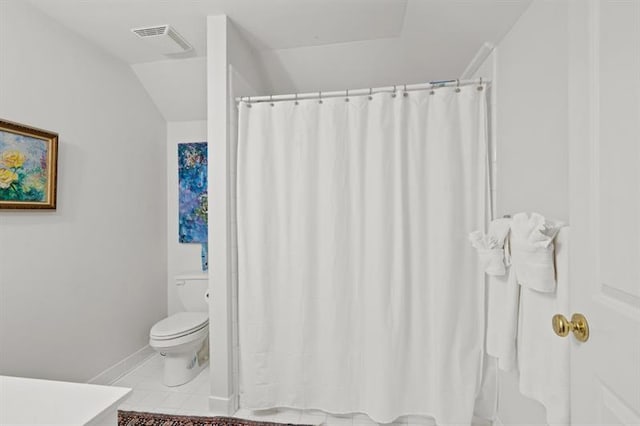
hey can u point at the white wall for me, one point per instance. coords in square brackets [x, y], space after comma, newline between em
[531, 118]
[532, 113]
[221, 398]
[80, 286]
[181, 258]
[232, 70]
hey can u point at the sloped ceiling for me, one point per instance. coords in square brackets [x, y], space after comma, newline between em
[437, 42]
[305, 45]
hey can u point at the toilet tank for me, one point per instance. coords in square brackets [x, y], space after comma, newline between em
[192, 289]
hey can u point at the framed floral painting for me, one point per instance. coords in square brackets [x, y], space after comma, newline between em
[28, 167]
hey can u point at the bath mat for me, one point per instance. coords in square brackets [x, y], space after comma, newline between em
[135, 418]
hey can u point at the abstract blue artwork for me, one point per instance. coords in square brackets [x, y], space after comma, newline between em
[192, 178]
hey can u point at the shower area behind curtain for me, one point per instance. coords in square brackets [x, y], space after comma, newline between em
[358, 289]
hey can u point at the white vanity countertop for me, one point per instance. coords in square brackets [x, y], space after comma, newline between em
[38, 402]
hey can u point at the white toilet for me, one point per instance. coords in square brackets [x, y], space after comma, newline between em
[183, 338]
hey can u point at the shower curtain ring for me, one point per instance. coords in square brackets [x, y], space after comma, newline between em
[480, 85]
[393, 95]
[457, 85]
[296, 102]
[347, 98]
[271, 100]
[319, 97]
[405, 93]
[249, 102]
[432, 92]
[370, 93]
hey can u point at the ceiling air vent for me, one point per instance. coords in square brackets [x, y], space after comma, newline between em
[165, 39]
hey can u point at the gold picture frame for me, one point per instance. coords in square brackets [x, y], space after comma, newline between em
[28, 167]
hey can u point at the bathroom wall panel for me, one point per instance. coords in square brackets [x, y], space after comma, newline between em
[80, 286]
[233, 69]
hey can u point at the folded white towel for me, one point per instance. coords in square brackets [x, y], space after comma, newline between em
[532, 251]
[492, 261]
[543, 358]
[503, 298]
[535, 229]
[490, 246]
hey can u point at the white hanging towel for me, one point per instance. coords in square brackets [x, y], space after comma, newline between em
[543, 357]
[490, 246]
[529, 251]
[532, 251]
[519, 332]
[502, 292]
[503, 295]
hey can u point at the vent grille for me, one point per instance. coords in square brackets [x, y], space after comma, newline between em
[150, 31]
[164, 38]
[179, 39]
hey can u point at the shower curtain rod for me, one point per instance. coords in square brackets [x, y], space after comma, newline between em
[404, 88]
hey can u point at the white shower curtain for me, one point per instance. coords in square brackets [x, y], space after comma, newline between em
[358, 288]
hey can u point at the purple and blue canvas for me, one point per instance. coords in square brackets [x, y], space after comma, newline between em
[23, 168]
[192, 178]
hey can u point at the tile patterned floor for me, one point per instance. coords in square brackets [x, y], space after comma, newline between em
[149, 394]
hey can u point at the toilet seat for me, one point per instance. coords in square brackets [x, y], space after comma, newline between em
[179, 325]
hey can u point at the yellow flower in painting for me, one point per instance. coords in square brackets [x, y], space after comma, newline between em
[13, 159]
[7, 177]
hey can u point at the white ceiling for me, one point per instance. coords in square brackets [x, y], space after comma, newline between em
[439, 38]
[267, 24]
[305, 45]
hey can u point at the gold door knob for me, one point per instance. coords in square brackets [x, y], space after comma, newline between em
[578, 325]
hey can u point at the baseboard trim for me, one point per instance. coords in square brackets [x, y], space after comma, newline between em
[227, 405]
[497, 422]
[113, 373]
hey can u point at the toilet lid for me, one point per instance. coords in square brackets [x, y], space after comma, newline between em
[179, 324]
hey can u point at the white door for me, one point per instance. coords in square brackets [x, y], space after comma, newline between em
[604, 94]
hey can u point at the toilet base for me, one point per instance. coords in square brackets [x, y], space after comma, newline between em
[181, 367]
